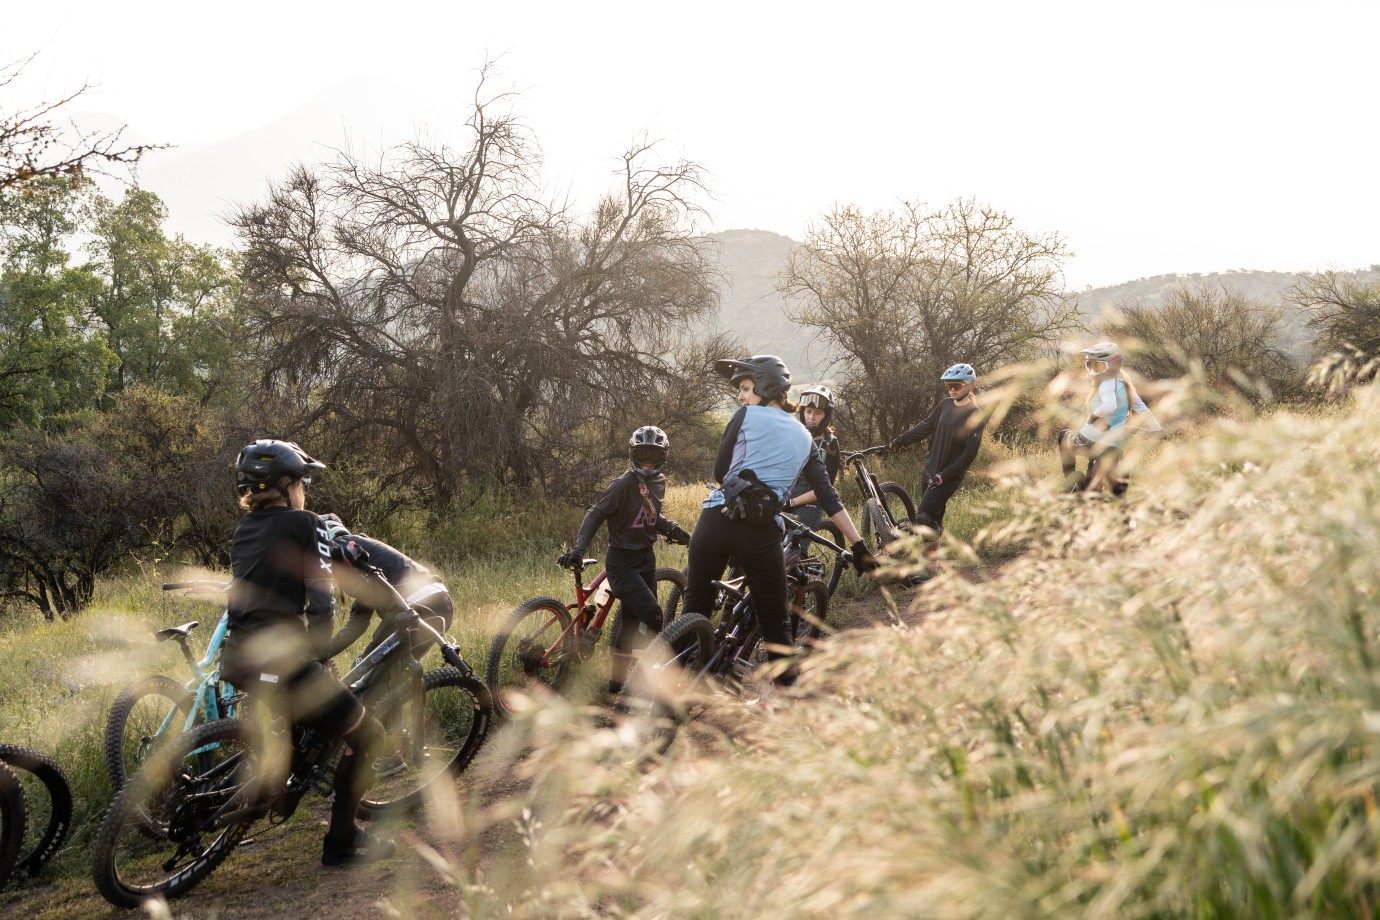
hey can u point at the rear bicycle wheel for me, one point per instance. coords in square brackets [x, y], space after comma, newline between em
[48, 796]
[14, 814]
[146, 714]
[809, 613]
[198, 787]
[899, 508]
[534, 648]
[424, 744]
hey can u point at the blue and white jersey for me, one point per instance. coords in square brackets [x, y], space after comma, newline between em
[771, 443]
[1108, 408]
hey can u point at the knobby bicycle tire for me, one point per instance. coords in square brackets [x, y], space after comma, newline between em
[672, 581]
[524, 647]
[830, 563]
[903, 514]
[51, 807]
[456, 717]
[183, 784]
[138, 708]
[14, 815]
[656, 696]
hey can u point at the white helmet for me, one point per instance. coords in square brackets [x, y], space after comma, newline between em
[963, 373]
[1108, 354]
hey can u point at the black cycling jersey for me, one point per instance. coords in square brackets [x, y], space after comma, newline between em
[414, 581]
[955, 433]
[282, 570]
[633, 510]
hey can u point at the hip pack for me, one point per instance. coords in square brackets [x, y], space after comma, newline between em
[747, 498]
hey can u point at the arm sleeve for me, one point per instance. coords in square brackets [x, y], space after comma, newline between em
[724, 459]
[354, 627]
[922, 430]
[316, 577]
[818, 478]
[600, 511]
[1102, 407]
[972, 440]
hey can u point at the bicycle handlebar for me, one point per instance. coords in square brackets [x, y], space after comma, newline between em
[799, 530]
[849, 455]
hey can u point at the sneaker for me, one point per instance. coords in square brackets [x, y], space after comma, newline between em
[918, 578]
[364, 849]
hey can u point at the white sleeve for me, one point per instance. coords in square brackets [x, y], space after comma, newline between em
[1144, 419]
[1106, 399]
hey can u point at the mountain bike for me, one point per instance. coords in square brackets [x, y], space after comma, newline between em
[887, 509]
[156, 707]
[545, 640]
[692, 653]
[205, 788]
[47, 798]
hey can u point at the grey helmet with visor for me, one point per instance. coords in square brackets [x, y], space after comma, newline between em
[648, 444]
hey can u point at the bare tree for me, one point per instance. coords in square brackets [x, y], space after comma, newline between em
[1344, 309]
[1235, 339]
[33, 147]
[900, 295]
[435, 313]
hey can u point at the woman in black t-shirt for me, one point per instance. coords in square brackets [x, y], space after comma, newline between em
[280, 629]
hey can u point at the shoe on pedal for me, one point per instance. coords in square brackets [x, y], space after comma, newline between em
[388, 766]
[364, 849]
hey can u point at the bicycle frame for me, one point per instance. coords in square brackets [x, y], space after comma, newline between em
[584, 616]
[212, 698]
[738, 631]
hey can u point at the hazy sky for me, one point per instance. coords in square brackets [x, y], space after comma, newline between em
[1156, 137]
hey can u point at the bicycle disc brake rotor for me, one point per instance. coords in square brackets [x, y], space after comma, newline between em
[529, 656]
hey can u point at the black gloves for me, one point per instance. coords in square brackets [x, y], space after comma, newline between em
[571, 559]
[349, 552]
[863, 560]
[678, 535]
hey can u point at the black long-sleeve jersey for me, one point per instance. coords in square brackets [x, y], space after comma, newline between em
[282, 574]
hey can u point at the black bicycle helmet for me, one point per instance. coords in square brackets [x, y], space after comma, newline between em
[771, 378]
[648, 443]
[272, 464]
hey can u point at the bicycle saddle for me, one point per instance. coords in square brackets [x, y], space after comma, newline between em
[176, 632]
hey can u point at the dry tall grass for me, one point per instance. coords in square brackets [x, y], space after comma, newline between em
[1166, 706]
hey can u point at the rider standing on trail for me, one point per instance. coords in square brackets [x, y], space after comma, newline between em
[763, 451]
[954, 430]
[279, 613]
[817, 415]
[632, 506]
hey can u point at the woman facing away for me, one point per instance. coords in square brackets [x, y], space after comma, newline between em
[763, 451]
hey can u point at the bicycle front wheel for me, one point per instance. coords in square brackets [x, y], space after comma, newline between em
[535, 648]
[670, 590]
[14, 814]
[48, 796]
[145, 714]
[424, 743]
[197, 787]
[823, 563]
[899, 508]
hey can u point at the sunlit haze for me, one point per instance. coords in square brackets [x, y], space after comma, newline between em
[1178, 136]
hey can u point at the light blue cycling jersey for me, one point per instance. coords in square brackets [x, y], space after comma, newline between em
[1109, 406]
[774, 445]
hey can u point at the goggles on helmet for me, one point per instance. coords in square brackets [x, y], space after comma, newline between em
[814, 401]
[648, 454]
[1095, 365]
